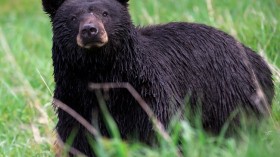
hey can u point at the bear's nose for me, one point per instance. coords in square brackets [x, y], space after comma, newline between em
[88, 31]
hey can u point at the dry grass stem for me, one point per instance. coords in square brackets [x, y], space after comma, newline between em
[159, 127]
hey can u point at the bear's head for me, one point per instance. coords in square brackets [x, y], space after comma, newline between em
[87, 24]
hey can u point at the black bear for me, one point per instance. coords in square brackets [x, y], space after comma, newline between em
[96, 41]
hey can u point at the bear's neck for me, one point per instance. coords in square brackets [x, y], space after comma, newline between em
[123, 53]
[118, 56]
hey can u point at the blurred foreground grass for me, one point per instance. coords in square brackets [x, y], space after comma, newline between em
[27, 118]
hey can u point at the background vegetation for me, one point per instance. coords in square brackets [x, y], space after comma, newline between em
[27, 118]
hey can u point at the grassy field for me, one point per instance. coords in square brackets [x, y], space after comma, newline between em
[27, 118]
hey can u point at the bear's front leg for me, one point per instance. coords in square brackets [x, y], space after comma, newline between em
[69, 130]
[72, 133]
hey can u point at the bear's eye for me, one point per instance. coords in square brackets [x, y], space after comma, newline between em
[105, 14]
[73, 18]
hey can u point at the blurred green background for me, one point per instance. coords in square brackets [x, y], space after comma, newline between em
[27, 118]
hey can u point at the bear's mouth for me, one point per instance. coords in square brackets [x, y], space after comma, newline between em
[97, 41]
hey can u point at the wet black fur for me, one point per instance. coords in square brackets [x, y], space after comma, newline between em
[165, 63]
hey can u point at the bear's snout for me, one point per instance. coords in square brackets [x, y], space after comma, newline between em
[92, 33]
[88, 31]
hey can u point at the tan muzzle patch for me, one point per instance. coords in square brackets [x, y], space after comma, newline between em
[92, 39]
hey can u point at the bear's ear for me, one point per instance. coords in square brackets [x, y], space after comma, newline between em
[124, 2]
[51, 6]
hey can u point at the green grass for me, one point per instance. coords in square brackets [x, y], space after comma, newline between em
[27, 118]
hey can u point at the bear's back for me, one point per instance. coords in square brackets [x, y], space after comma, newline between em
[207, 62]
